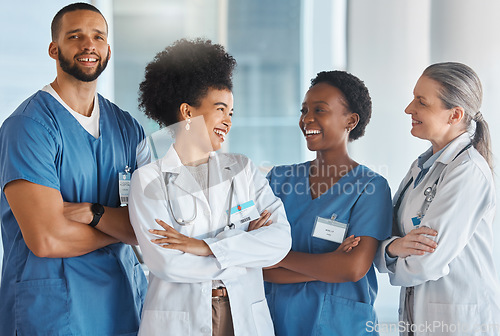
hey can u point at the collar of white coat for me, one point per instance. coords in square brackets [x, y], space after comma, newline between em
[171, 163]
[220, 169]
[454, 147]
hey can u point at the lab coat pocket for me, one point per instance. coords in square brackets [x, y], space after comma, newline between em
[155, 322]
[262, 318]
[42, 307]
[345, 317]
[453, 319]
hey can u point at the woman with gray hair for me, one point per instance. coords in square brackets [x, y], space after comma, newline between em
[441, 250]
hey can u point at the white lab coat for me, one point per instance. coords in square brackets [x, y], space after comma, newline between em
[456, 289]
[179, 299]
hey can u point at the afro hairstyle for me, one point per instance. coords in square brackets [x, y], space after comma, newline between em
[183, 73]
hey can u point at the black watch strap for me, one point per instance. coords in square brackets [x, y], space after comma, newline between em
[98, 210]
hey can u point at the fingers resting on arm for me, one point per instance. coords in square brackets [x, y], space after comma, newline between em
[115, 221]
[263, 220]
[172, 239]
[415, 242]
[78, 212]
[348, 244]
[40, 214]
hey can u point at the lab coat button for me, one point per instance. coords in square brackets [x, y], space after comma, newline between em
[205, 330]
[204, 290]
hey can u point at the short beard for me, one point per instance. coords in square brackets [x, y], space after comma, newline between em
[76, 72]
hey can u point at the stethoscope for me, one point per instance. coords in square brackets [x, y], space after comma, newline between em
[429, 193]
[184, 222]
[179, 220]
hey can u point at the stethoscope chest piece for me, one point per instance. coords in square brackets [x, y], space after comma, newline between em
[427, 191]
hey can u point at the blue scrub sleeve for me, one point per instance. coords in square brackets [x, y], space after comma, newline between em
[371, 215]
[269, 176]
[276, 174]
[28, 151]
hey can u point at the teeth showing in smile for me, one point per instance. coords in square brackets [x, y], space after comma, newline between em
[312, 132]
[414, 122]
[87, 60]
[220, 133]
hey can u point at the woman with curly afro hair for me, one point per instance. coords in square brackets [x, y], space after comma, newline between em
[206, 222]
[327, 285]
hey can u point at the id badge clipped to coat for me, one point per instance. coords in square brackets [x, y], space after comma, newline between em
[124, 185]
[330, 229]
[243, 213]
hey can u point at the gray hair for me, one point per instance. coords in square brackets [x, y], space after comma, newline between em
[460, 86]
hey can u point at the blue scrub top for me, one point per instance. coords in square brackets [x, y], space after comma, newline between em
[362, 199]
[99, 293]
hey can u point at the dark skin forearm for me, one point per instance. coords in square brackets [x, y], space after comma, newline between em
[115, 222]
[333, 267]
[284, 276]
[40, 213]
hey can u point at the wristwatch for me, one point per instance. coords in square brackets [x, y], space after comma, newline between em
[98, 210]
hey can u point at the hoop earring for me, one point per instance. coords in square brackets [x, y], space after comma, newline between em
[187, 124]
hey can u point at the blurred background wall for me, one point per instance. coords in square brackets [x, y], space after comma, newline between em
[279, 46]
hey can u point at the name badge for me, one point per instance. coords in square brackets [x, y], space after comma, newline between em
[124, 185]
[330, 229]
[243, 213]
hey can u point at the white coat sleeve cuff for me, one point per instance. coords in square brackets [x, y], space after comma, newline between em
[384, 263]
[220, 254]
[389, 261]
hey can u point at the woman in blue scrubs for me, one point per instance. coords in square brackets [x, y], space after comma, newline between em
[319, 289]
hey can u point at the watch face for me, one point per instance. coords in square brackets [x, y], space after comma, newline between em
[97, 209]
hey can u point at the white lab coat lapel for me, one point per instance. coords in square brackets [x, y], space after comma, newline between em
[221, 170]
[182, 178]
[416, 194]
[454, 148]
[221, 173]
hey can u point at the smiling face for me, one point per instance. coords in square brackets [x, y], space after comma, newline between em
[217, 109]
[430, 119]
[81, 48]
[325, 118]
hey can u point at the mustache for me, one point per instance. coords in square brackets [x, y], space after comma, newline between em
[88, 54]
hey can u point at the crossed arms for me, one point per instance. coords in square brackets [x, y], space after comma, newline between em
[53, 228]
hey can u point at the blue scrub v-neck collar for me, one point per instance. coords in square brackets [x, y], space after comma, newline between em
[339, 182]
[76, 124]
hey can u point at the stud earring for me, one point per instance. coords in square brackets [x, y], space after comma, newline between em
[187, 124]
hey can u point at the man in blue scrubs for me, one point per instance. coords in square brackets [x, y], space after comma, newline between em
[67, 269]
